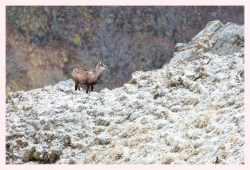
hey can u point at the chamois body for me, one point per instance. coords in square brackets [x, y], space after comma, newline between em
[87, 77]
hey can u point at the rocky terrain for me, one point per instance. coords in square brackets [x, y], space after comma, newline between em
[191, 111]
[44, 43]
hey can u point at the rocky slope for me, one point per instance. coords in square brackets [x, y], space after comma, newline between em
[41, 40]
[189, 112]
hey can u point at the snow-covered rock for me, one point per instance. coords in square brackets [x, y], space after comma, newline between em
[189, 112]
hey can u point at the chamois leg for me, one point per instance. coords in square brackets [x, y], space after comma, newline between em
[78, 88]
[87, 89]
[92, 88]
[76, 84]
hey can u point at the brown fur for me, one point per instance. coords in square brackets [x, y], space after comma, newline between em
[88, 77]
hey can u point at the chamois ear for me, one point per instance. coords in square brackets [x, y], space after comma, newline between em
[99, 64]
[100, 61]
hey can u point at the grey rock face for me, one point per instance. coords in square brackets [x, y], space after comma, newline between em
[228, 39]
[215, 38]
[211, 27]
[182, 55]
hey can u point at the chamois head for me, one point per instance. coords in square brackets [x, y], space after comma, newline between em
[101, 66]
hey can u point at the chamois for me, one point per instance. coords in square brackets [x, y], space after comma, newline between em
[87, 77]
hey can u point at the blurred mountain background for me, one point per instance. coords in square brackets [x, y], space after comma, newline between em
[44, 43]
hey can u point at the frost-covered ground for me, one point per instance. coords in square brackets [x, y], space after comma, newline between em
[189, 112]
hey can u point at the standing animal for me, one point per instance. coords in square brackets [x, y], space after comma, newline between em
[88, 77]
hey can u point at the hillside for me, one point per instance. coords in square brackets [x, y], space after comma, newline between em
[44, 43]
[191, 111]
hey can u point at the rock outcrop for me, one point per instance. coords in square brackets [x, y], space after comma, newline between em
[189, 112]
